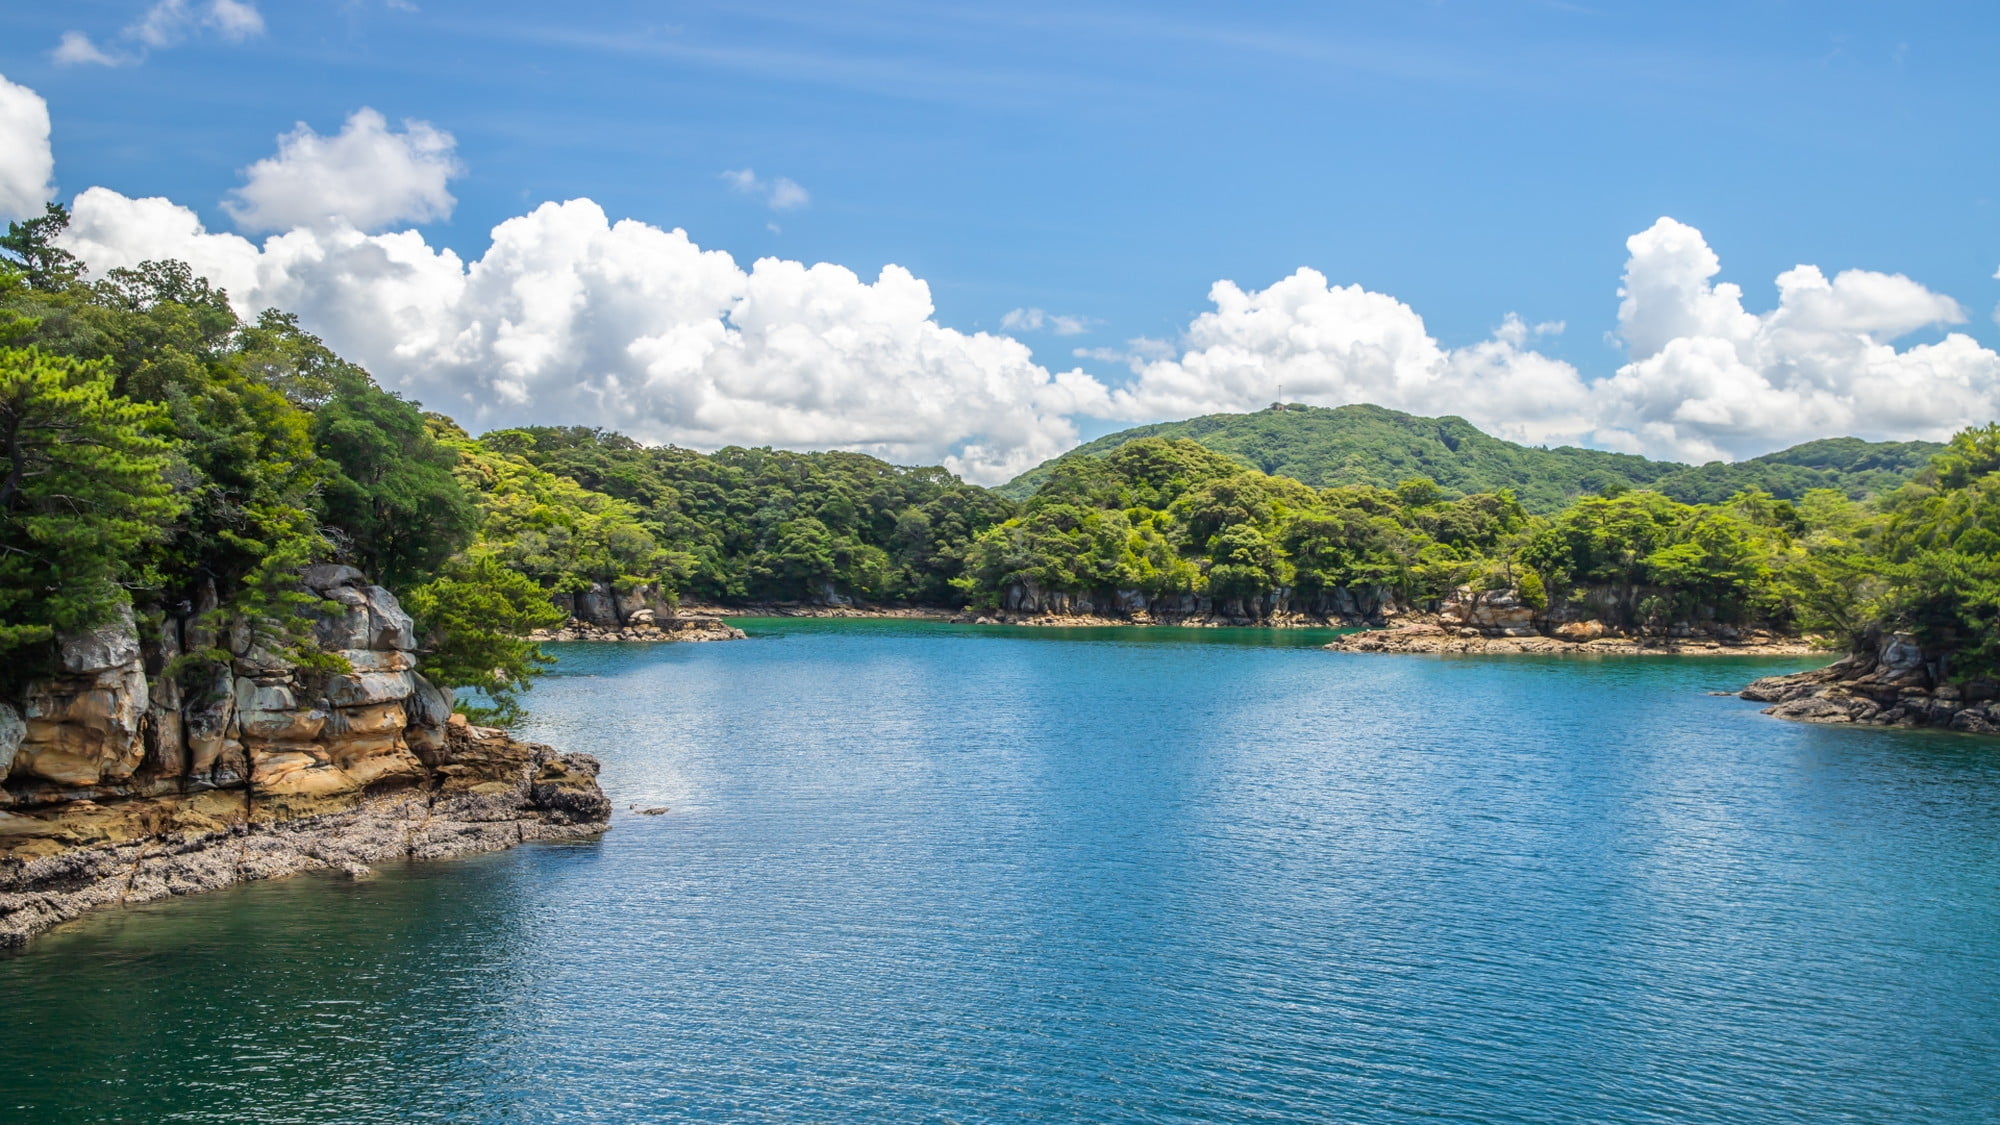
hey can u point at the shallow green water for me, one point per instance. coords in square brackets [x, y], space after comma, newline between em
[916, 872]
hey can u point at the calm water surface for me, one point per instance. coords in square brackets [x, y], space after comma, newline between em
[930, 873]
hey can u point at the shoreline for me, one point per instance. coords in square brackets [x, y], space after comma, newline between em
[1895, 685]
[485, 792]
[1425, 638]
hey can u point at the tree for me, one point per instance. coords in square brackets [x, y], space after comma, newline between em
[82, 490]
[392, 493]
[474, 620]
[32, 245]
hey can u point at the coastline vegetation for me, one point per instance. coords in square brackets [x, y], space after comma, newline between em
[157, 450]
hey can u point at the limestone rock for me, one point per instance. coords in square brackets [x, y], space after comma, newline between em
[346, 628]
[389, 626]
[12, 731]
[271, 713]
[96, 650]
[368, 688]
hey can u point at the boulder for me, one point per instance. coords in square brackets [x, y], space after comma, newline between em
[362, 689]
[323, 577]
[1581, 630]
[1899, 662]
[81, 730]
[271, 713]
[347, 627]
[389, 626]
[632, 602]
[596, 607]
[95, 650]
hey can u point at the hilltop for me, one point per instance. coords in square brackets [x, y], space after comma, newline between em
[1362, 444]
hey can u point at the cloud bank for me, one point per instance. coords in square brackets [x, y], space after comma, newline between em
[569, 317]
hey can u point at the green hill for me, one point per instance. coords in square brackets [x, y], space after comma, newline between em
[1360, 444]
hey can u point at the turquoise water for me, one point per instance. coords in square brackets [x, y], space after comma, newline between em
[932, 873]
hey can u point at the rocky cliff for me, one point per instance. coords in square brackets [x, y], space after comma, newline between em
[121, 784]
[1890, 682]
[604, 613]
[1347, 605]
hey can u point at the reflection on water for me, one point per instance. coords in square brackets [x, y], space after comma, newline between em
[923, 872]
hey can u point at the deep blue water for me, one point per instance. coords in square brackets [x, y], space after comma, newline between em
[933, 873]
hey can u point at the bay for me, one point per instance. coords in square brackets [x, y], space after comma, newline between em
[920, 872]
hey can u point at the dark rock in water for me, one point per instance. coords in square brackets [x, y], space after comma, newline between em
[1892, 682]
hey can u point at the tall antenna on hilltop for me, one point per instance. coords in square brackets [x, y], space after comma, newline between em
[1279, 406]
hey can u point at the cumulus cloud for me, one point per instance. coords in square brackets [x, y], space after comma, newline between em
[365, 176]
[1040, 320]
[1330, 344]
[167, 23]
[26, 162]
[779, 193]
[1708, 379]
[570, 317]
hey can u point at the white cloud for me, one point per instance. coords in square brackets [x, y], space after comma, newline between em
[365, 176]
[1039, 320]
[568, 317]
[1707, 379]
[26, 162]
[76, 49]
[571, 318]
[167, 23]
[779, 193]
[1330, 344]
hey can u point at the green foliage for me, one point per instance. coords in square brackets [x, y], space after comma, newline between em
[474, 619]
[1370, 445]
[1941, 543]
[82, 495]
[551, 529]
[762, 524]
[32, 248]
[391, 492]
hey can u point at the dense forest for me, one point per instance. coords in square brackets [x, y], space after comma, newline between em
[1372, 445]
[163, 453]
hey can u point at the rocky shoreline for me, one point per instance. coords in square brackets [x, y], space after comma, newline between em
[127, 780]
[485, 792]
[1891, 683]
[674, 629]
[1435, 638]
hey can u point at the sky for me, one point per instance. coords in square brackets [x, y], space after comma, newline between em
[978, 234]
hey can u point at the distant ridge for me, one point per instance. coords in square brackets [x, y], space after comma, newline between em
[1325, 446]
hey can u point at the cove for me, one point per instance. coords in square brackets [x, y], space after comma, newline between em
[922, 872]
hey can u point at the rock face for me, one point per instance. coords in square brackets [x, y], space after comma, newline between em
[602, 613]
[122, 784]
[1599, 616]
[1352, 605]
[1891, 682]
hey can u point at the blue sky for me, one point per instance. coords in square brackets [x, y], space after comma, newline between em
[1110, 162]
